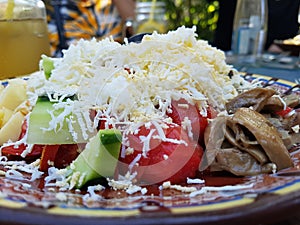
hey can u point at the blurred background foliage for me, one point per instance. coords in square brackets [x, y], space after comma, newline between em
[201, 13]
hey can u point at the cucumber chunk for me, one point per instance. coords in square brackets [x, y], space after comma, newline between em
[100, 157]
[47, 65]
[110, 136]
[39, 120]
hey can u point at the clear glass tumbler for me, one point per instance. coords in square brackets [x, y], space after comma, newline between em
[249, 30]
[149, 17]
[23, 37]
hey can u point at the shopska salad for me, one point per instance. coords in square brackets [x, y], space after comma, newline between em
[131, 114]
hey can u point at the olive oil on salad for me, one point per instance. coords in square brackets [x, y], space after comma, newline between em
[22, 42]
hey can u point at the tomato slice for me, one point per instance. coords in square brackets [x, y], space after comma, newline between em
[181, 110]
[48, 156]
[164, 160]
[66, 154]
[18, 150]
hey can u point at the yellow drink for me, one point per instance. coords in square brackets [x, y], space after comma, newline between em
[150, 16]
[150, 26]
[22, 42]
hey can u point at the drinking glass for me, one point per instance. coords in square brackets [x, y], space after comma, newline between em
[149, 17]
[23, 37]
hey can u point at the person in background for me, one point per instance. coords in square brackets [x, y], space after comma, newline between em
[282, 22]
[223, 33]
[71, 20]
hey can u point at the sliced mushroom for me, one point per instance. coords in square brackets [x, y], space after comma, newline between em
[239, 163]
[292, 100]
[273, 104]
[245, 143]
[266, 135]
[220, 154]
[213, 137]
[236, 136]
[291, 140]
[284, 134]
[255, 98]
[289, 121]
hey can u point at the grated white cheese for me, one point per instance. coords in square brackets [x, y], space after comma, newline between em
[61, 196]
[187, 125]
[165, 157]
[195, 181]
[274, 168]
[15, 169]
[206, 189]
[281, 100]
[128, 151]
[76, 178]
[14, 174]
[162, 136]
[134, 162]
[291, 113]
[146, 142]
[185, 106]
[133, 189]
[134, 83]
[91, 195]
[57, 177]
[126, 183]
[119, 184]
[296, 128]
[168, 185]
[26, 186]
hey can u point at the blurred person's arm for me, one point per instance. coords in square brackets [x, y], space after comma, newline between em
[125, 8]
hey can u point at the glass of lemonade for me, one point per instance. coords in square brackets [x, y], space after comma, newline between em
[150, 16]
[23, 37]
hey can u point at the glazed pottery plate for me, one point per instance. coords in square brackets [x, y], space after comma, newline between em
[228, 199]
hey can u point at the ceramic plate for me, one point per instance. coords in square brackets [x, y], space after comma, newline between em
[292, 48]
[264, 198]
